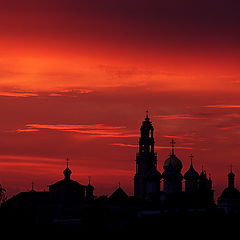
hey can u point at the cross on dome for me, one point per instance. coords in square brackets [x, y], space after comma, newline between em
[147, 117]
[172, 143]
[67, 160]
[191, 158]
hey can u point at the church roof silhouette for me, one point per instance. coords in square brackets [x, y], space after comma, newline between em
[230, 193]
[119, 195]
[191, 173]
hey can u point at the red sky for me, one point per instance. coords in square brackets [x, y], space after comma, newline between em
[77, 76]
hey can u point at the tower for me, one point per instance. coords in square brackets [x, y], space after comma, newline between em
[229, 200]
[205, 191]
[191, 179]
[231, 177]
[147, 177]
[172, 173]
[89, 191]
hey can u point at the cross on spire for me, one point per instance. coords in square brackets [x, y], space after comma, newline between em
[32, 186]
[67, 159]
[173, 143]
[147, 114]
[191, 158]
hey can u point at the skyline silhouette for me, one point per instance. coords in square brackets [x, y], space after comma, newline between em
[147, 153]
[171, 148]
[77, 76]
[159, 199]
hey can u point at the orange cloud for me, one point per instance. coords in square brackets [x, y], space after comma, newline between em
[27, 130]
[18, 94]
[97, 130]
[180, 116]
[157, 147]
[223, 106]
[73, 127]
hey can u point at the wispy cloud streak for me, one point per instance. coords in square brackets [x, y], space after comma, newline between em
[181, 116]
[97, 130]
[18, 94]
[223, 106]
[157, 147]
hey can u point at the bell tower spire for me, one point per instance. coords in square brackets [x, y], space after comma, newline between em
[147, 177]
[146, 142]
[231, 179]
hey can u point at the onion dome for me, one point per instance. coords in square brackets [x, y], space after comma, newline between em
[230, 193]
[171, 174]
[191, 174]
[231, 174]
[173, 162]
[67, 173]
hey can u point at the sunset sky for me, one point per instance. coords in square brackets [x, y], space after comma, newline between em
[76, 78]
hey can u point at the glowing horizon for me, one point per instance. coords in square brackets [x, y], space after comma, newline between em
[77, 76]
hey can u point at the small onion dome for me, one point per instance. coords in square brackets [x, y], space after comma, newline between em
[191, 174]
[230, 193]
[173, 162]
[171, 173]
[203, 175]
[67, 172]
[231, 174]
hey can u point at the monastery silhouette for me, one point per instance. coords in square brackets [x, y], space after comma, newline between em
[156, 196]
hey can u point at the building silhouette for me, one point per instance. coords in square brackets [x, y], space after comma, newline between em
[198, 187]
[158, 198]
[229, 200]
[147, 177]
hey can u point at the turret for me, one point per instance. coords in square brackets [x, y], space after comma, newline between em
[191, 178]
[89, 191]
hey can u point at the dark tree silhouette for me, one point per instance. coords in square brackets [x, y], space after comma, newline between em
[3, 195]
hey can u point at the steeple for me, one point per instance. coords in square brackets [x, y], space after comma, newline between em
[173, 143]
[231, 177]
[191, 174]
[67, 172]
[191, 178]
[146, 142]
[89, 190]
[191, 158]
[147, 177]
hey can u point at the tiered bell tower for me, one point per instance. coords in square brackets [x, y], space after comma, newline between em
[147, 177]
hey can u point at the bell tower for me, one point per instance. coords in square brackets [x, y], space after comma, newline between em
[147, 177]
